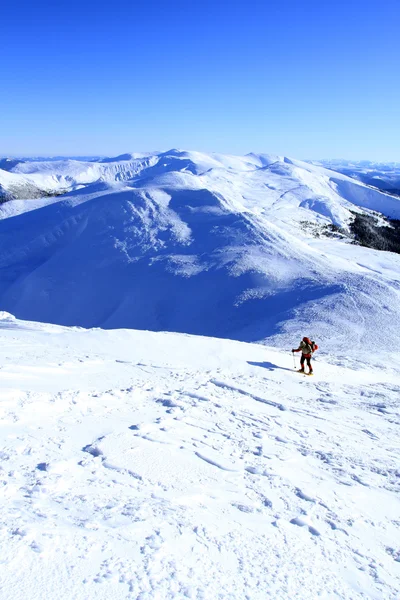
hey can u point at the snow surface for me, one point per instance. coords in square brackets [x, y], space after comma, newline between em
[217, 245]
[14, 186]
[385, 176]
[165, 466]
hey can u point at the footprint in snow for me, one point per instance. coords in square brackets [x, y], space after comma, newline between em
[243, 508]
[303, 496]
[327, 400]
[371, 435]
[301, 523]
[359, 480]
[334, 527]
[169, 404]
[220, 464]
[254, 470]
[35, 547]
[395, 554]
[93, 450]
[259, 471]
[42, 466]
[19, 532]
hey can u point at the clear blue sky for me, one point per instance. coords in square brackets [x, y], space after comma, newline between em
[305, 78]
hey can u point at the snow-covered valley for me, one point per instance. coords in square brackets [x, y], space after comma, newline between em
[159, 465]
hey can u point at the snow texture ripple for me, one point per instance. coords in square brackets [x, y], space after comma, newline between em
[165, 466]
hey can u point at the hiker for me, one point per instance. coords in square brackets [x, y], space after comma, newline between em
[307, 348]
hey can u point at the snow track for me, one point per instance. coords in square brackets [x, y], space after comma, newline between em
[164, 466]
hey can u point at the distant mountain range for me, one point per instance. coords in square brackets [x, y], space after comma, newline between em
[251, 247]
[384, 176]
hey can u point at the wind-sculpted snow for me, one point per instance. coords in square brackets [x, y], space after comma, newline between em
[155, 466]
[214, 245]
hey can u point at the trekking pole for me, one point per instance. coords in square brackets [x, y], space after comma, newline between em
[294, 360]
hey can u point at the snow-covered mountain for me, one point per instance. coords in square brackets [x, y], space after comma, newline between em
[68, 174]
[14, 186]
[384, 176]
[249, 247]
[161, 466]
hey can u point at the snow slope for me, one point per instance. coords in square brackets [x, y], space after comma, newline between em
[215, 245]
[163, 466]
[69, 173]
[385, 176]
[13, 186]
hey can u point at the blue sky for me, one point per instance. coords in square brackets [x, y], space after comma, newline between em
[309, 79]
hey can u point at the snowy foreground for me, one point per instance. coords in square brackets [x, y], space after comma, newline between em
[159, 465]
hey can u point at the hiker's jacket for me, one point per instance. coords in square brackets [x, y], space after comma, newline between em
[306, 349]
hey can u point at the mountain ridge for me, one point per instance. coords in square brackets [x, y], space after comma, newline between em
[253, 248]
